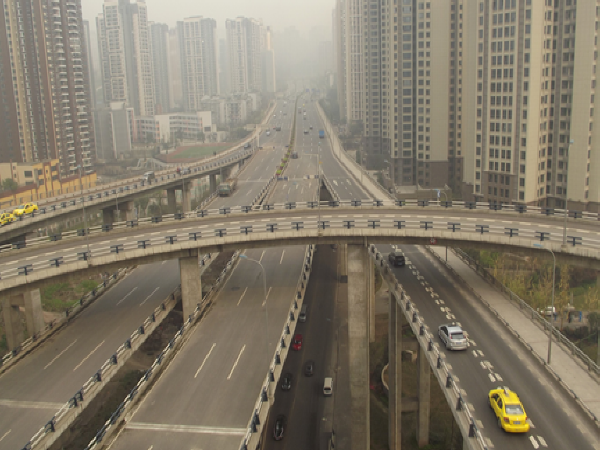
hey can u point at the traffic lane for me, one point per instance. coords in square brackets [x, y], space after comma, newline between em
[169, 438]
[303, 404]
[295, 190]
[16, 428]
[480, 372]
[219, 375]
[33, 390]
[68, 359]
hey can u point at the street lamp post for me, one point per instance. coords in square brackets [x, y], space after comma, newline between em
[564, 243]
[552, 306]
[264, 277]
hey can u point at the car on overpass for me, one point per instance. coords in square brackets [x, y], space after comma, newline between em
[509, 410]
[286, 382]
[397, 259]
[6, 218]
[27, 208]
[453, 337]
[309, 368]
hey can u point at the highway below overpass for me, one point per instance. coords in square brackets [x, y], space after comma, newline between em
[35, 388]
[205, 397]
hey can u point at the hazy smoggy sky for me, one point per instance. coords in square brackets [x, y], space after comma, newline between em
[278, 14]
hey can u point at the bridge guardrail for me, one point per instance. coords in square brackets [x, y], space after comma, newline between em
[536, 318]
[399, 205]
[161, 361]
[32, 342]
[262, 405]
[411, 227]
[471, 431]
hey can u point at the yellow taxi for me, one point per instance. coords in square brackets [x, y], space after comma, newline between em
[6, 218]
[509, 410]
[27, 208]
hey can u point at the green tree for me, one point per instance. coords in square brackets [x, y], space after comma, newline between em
[200, 136]
[358, 157]
[8, 184]
[142, 205]
[562, 295]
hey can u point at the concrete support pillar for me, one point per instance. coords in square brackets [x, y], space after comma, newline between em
[423, 392]
[34, 315]
[12, 321]
[212, 182]
[171, 201]
[108, 216]
[358, 344]
[395, 375]
[225, 173]
[343, 249]
[187, 198]
[191, 285]
[129, 210]
[371, 299]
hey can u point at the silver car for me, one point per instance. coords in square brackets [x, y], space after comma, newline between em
[453, 337]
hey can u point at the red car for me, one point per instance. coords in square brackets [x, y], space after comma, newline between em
[297, 342]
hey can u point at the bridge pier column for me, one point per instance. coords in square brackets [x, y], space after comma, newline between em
[187, 198]
[343, 249]
[108, 215]
[395, 374]
[171, 201]
[191, 284]
[34, 318]
[423, 391]
[358, 344]
[225, 173]
[212, 183]
[128, 207]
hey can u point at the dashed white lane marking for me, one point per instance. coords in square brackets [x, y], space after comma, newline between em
[241, 297]
[5, 434]
[126, 295]
[266, 298]
[157, 288]
[87, 357]
[205, 358]
[60, 354]
[236, 362]
[534, 442]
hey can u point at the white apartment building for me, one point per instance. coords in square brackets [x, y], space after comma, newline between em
[244, 53]
[126, 55]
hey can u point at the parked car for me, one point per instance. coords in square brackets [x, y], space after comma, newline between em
[297, 342]
[453, 337]
[309, 368]
[509, 410]
[27, 208]
[279, 427]
[286, 382]
[6, 218]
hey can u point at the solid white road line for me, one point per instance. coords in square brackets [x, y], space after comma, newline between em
[30, 405]
[60, 354]
[127, 295]
[282, 253]
[261, 256]
[87, 357]
[236, 362]
[242, 296]
[205, 358]
[186, 428]
[146, 299]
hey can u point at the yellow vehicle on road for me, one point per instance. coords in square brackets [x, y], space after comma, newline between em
[6, 218]
[509, 410]
[27, 208]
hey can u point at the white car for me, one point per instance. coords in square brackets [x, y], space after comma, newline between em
[453, 337]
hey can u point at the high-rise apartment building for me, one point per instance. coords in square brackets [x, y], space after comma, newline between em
[495, 98]
[159, 38]
[125, 55]
[269, 83]
[198, 59]
[244, 51]
[45, 95]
